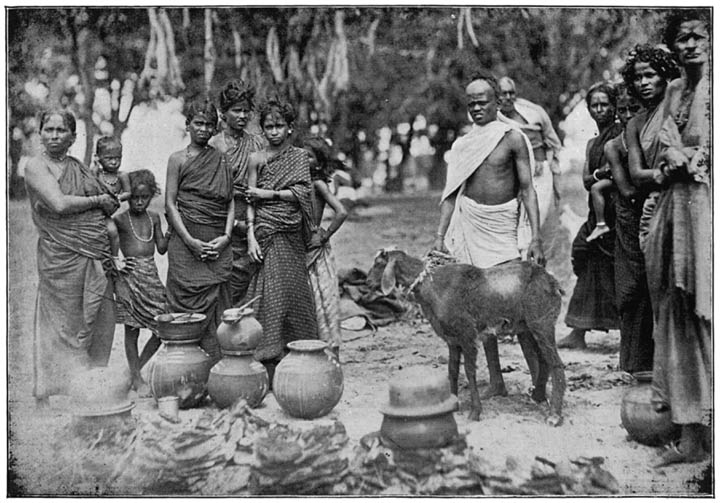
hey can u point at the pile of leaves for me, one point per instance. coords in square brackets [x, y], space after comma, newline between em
[212, 455]
[378, 469]
[299, 462]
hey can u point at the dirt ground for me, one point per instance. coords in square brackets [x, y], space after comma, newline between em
[510, 427]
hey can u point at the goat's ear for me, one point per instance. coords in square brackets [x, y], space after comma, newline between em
[387, 282]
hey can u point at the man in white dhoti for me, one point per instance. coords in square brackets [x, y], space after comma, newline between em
[489, 176]
[534, 121]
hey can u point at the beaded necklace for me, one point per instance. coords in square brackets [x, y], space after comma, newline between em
[152, 229]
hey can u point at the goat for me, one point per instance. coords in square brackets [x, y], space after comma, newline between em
[466, 305]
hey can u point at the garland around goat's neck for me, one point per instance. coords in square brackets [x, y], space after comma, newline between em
[432, 260]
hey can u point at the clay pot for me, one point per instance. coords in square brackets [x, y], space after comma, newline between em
[180, 368]
[639, 418]
[238, 375]
[419, 414]
[308, 382]
[419, 432]
[180, 326]
[239, 330]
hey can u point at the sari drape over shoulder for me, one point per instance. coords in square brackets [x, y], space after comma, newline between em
[592, 305]
[286, 309]
[678, 257]
[74, 310]
[237, 154]
[194, 286]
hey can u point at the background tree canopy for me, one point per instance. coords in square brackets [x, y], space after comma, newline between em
[350, 71]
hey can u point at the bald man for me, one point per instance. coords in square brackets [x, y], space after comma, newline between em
[489, 175]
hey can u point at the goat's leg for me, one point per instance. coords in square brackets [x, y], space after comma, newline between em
[469, 360]
[537, 365]
[454, 367]
[544, 334]
[492, 356]
[530, 353]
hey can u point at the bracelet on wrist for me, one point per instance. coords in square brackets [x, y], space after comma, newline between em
[594, 175]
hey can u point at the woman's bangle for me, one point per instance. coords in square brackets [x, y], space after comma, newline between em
[594, 175]
[94, 201]
[276, 194]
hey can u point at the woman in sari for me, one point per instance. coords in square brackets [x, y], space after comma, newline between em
[646, 74]
[200, 209]
[678, 246]
[592, 305]
[75, 310]
[237, 143]
[279, 220]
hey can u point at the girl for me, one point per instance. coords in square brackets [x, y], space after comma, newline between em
[279, 218]
[321, 263]
[140, 295]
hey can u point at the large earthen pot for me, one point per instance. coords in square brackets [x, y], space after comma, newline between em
[640, 419]
[308, 382]
[238, 374]
[419, 413]
[180, 367]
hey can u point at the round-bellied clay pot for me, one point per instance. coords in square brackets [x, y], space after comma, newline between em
[308, 382]
[180, 367]
[639, 417]
[238, 375]
[239, 330]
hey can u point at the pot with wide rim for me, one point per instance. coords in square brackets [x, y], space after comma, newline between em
[419, 413]
[180, 326]
[180, 368]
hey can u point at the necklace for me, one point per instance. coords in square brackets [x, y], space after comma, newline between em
[187, 151]
[53, 158]
[113, 183]
[152, 230]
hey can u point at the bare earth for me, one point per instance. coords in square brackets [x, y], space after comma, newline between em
[511, 426]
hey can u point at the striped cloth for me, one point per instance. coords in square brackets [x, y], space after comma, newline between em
[286, 309]
[139, 294]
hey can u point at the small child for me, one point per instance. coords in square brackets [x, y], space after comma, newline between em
[140, 295]
[597, 194]
[321, 263]
[109, 154]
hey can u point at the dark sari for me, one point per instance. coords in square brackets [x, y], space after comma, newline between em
[633, 297]
[75, 310]
[286, 309]
[194, 286]
[238, 156]
[592, 305]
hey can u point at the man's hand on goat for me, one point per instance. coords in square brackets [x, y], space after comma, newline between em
[535, 253]
[439, 244]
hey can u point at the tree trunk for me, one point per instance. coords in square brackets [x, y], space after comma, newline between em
[84, 68]
[209, 51]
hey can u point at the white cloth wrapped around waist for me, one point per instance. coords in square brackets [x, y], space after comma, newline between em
[483, 235]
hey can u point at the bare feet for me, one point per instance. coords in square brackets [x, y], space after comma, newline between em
[599, 230]
[142, 388]
[494, 389]
[576, 340]
[673, 453]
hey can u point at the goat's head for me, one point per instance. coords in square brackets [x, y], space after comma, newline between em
[390, 268]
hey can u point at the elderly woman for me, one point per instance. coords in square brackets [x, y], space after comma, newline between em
[646, 75]
[75, 311]
[200, 208]
[592, 305]
[678, 246]
[237, 143]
